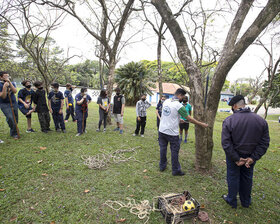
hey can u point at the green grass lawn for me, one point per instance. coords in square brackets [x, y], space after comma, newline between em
[58, 196]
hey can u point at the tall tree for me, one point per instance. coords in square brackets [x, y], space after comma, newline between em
[106, 25]
[233, 48]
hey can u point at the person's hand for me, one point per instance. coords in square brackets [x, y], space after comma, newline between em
[26, 105]
[121, 114]
[138, 118]
[51, 111]
[249, 161]
[60, 111]
[241, 162]
[6, 84]
[204, 125]
[85, 96]
[67, 107]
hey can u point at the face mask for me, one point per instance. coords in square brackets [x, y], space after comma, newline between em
[232, 109]
[28, 86]
[180, 101]
[40, 88]
[143, 99]
[118, 94]
[184, 101]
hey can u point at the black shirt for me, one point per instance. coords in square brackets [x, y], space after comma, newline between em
[39, 99]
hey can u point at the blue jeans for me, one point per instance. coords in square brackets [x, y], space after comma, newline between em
[7, 111]
[79, 117]
[240, 180]
[174, 147]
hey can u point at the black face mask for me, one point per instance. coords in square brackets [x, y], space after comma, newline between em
[143, 99]
[184, 101]
[40, 88]
[117, 94]
[180, 101]
[232, 109]
[28, 86]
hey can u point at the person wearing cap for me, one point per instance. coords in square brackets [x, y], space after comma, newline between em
[245, 139]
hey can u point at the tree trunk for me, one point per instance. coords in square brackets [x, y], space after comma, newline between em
[266, 109]
[159, 65]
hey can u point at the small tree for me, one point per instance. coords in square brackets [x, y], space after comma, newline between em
[134, 80]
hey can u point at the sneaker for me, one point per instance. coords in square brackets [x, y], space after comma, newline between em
[186, 141]
[1, 141]
[65, 121]
[45, 131]
[64, 131]
[49, 129]
[179, 173]
[98, 130]
[134, 134]
[79, 134]
[104, 130]
[85, 131]
[31, 130]
[15, 137]
[116, 129]
[57, 130]
[121, 131]
[142, 136]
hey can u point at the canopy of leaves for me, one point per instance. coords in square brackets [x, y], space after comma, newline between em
[134, 79]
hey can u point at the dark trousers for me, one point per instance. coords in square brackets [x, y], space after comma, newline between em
[7, 111]
[58, 120]
[102, 117]
[79, 116]
[240, 180]
[174, 147]
[158, 122]
[69, 112]
[44, 119]
[140, 124]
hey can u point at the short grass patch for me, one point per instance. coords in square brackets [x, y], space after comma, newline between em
[42, 185]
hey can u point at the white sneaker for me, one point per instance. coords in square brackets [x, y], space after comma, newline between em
[134, 134]
[1, 141]
[104, 130]
[98, 130]
[79, 134]
[142, 136]
[85, 131]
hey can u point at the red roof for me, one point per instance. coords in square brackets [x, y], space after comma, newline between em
[169, 88]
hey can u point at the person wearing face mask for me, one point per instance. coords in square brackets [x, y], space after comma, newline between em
[8, 87]
[82, 101]
[159, 109]
[25, 97]
[41, 107]
[118, 109]
[56, 102]
[104, 106]
[245, 139]
[141, 115]
[169, 130]
[184, 123]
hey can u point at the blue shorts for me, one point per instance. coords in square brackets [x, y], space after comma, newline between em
[25, 111]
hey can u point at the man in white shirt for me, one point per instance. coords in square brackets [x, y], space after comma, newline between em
[169, 130]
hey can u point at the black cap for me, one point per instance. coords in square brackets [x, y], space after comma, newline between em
[236, 99]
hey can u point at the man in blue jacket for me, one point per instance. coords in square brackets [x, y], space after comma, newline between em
[245, 139]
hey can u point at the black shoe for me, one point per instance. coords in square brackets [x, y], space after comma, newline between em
[49, 129]
[225, 199]
[64, 131]
[45, 131]
[180, 173]
[162, 169]
[57, 130]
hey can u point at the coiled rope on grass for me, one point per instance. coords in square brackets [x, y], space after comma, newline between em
[104, 158]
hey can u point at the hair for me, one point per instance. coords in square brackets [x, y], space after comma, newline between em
[37, 83]
[187, 98]
[55, 85]
[3, 73]
[103, 93]
[68, 85]
[83, 89]
[117, 89]
[24, 82]
[180, 91]
[144, 94]
[240, 103]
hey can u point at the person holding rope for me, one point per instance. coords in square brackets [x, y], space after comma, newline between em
[169, 130]
[8, 103]
[25, 97]
[82, 101]
[69, 101]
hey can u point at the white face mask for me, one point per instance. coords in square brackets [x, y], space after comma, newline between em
[85, 93]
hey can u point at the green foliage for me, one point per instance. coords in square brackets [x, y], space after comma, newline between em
[274, 92]
[134, 79]
[241, 88]
[226, 85]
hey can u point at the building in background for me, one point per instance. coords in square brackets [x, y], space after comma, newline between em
[226, 96]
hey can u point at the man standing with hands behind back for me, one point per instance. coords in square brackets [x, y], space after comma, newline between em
[245, 139]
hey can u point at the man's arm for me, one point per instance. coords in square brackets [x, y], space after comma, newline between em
[184, 113]
[50, 105]
[3, 94]
[228, 144]
[147, 104]
[262, 145]
[137, 109]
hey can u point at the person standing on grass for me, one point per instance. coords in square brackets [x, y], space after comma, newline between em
[25, 96]
[56, 102]
[169, 130]
[82, 101]
[141, 115]
[7, 87]
[41, 107]
[69, 101]
[118, 109]
[159, 109]
[245, 139]
[104, 106]
[184, 123]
